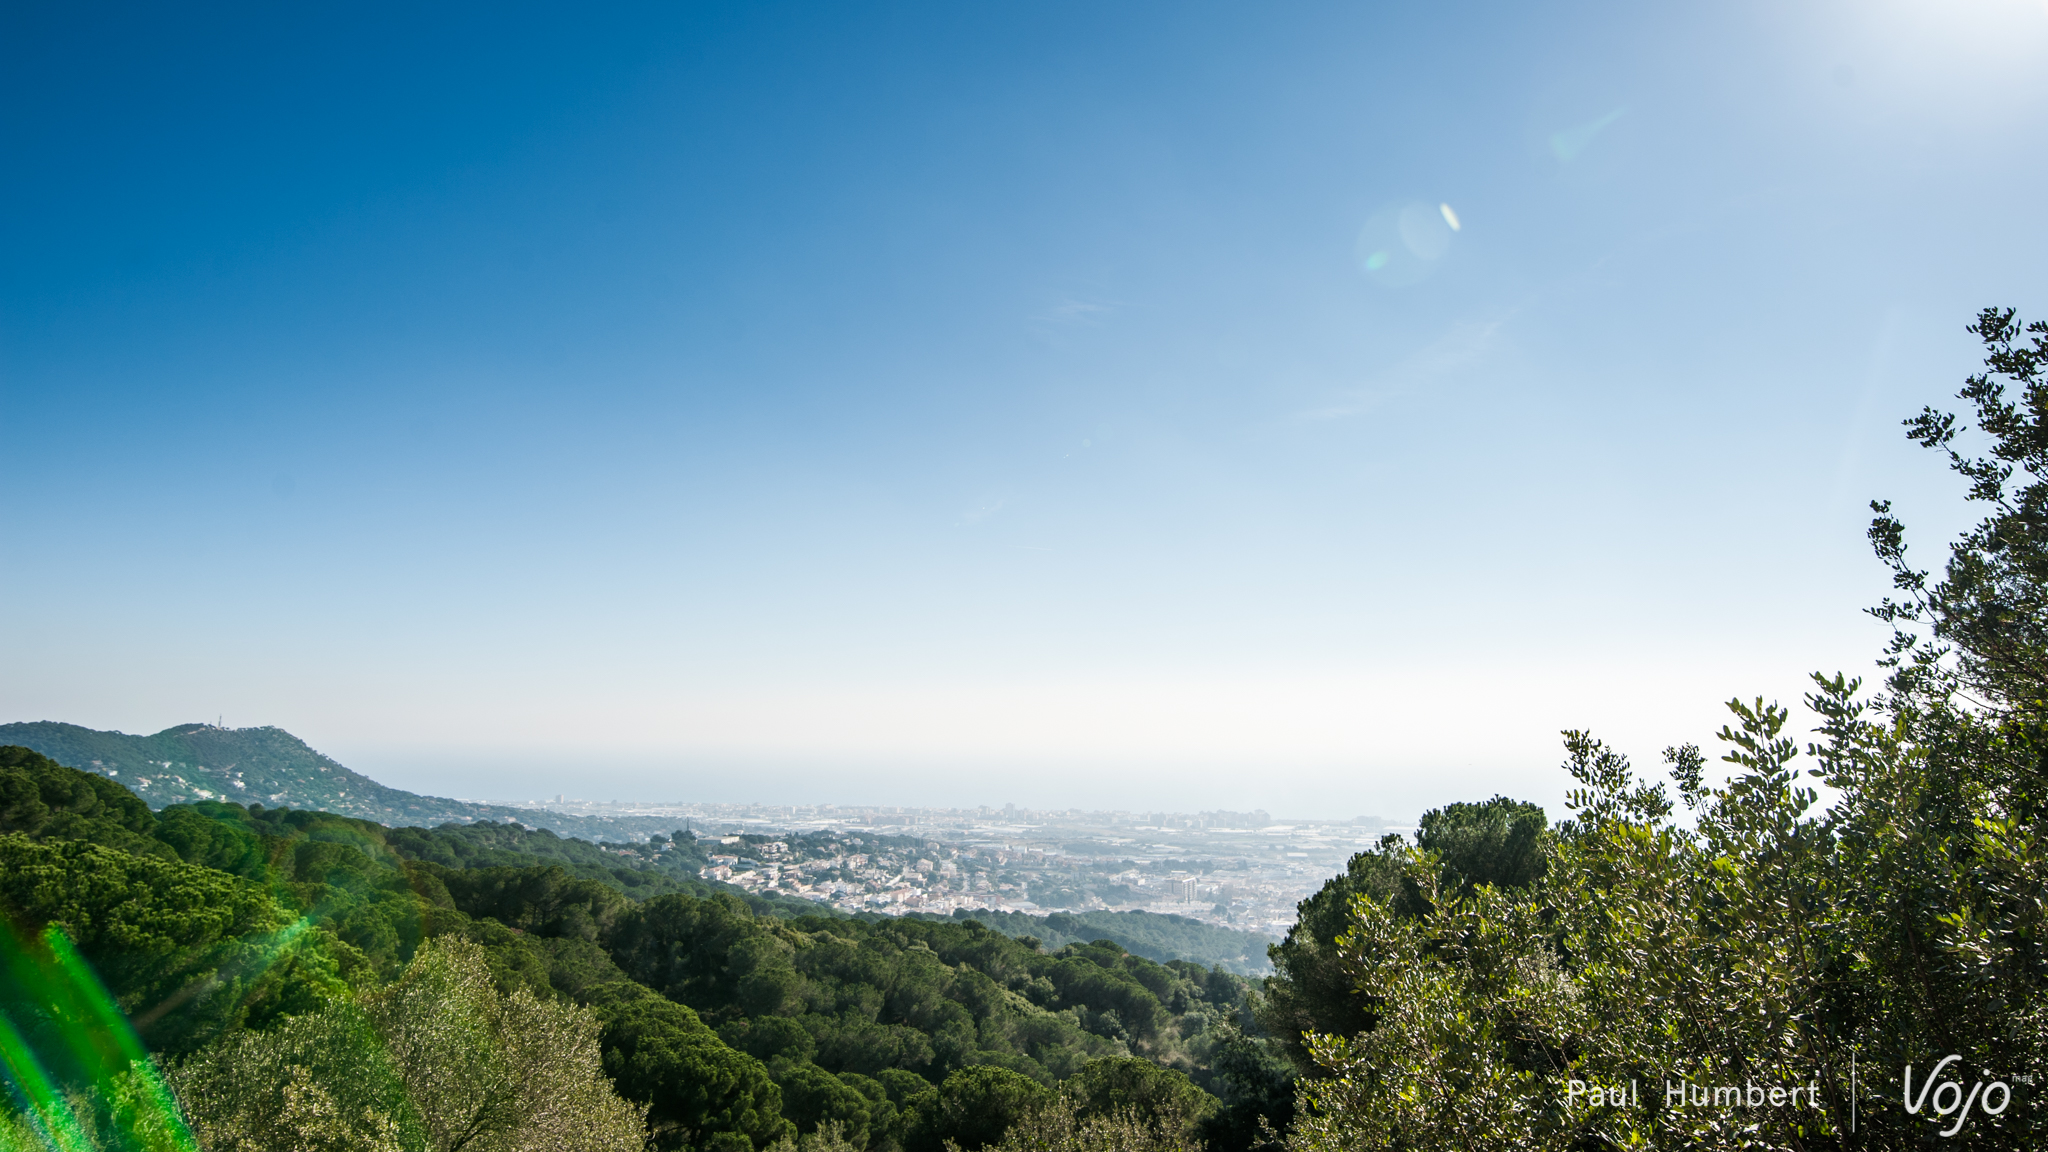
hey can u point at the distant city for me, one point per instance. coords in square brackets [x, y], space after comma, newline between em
[1239, 870]
[1243, 870]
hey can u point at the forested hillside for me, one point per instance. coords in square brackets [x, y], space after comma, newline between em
[1153, 935]
[265, 954]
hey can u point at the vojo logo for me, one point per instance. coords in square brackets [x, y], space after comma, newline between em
[1946, 1097]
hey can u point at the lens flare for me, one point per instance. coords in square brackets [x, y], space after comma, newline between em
[264, 951]
[62, 1037]
[48, 1113]
[1567, 145]
[1400, 245]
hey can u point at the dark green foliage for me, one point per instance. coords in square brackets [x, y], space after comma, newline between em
[770, 1037]
[812, 1096]
[1311, 990]
[110, 901]
[658, 1053]
[973, 1108]
[679, 947]
[42, 798]
[1499, 842]
[1116, 993]
[927, 997]
[218, 836]
[1153, 935]
[1255, 1081]
[1116, 1083]
[485, 844]
[909, 1091]
[546, 900]
[187, 952]
[887, 1123]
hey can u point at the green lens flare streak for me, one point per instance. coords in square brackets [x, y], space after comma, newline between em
[264, 952]
[38, 1099]
[59, 1027]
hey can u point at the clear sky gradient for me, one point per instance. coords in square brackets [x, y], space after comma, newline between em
[1066, 404]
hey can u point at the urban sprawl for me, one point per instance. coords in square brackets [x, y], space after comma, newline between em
[1243, 870]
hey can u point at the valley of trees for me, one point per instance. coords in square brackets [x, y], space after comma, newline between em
[220, 977]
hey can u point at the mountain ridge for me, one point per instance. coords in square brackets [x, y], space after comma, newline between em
[269, 766]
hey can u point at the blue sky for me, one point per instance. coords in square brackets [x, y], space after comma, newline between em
[925, 403]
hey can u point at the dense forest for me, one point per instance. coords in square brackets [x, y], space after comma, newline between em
[266, 957]
[1153, 935]
[225, 977]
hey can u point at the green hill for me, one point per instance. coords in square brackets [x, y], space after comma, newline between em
[272, 767]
